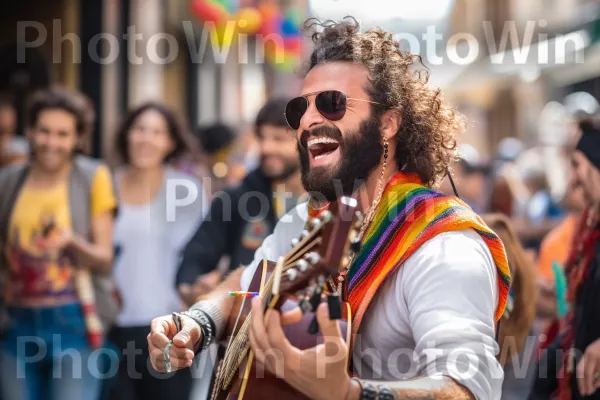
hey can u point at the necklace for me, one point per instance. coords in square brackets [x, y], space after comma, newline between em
[337, 288]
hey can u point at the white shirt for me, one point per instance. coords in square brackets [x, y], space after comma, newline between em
[433, 317]
[148, 242]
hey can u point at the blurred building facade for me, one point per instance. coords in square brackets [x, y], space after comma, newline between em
[123, 52]
[557, 53]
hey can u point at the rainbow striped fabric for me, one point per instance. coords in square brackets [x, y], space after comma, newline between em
[408, 215]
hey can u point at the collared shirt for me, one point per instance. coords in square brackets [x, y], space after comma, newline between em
[434, 316]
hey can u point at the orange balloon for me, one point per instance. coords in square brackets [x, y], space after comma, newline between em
[249, 20]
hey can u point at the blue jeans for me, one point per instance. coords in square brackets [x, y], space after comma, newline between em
[45, 355]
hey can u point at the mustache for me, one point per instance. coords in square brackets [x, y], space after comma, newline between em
[321, 132]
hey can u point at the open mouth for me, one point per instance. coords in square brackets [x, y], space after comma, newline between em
[322, 147]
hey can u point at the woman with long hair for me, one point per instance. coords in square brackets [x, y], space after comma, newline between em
[517, 321]
[153, 225]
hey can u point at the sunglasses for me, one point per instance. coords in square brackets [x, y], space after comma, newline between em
[331, 104]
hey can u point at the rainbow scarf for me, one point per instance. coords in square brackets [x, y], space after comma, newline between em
[408, 215]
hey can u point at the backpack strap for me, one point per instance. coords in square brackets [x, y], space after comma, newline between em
[82, 178]
[96, 289]
[11, 180]
[80, 189]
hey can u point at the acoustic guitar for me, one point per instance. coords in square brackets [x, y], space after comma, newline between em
[297, 279]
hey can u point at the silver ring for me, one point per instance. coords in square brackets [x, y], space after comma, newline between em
[167, 357]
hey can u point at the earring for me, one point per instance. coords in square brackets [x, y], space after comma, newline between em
[385, 157]
[385, 149]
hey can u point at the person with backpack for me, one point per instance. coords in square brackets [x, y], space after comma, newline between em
[57, 214]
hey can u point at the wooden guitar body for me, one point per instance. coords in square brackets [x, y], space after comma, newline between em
[326, 245]
[250, 383]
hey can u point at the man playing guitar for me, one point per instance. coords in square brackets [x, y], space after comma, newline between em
[429, 282]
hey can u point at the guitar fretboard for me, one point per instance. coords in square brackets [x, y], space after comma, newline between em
[238, 346]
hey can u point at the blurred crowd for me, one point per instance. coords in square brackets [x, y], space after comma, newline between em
[94, 250]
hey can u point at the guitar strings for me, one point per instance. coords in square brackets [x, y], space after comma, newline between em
[239, 346]
[303, 242]
[291, 262]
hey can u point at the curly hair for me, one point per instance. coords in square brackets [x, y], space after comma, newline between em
[75, 103]
[425, 143]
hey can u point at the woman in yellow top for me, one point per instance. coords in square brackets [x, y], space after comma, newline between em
[52, 328]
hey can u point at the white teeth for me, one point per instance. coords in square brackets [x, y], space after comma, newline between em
[320, 140]
[323, 155]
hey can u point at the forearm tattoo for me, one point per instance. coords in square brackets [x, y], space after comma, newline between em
[418, 389]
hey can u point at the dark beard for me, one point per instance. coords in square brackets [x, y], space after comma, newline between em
[360, 154]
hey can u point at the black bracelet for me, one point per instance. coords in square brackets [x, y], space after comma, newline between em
[217, 319]
[207, 326]
[212, 326]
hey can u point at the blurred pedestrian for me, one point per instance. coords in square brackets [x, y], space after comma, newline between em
[13, 149]
[154, 224]
[556, 245]
[244, 156]
[542, 213]
[57, 219]
[470, 174]
[211, 166]
[575, 353]
[509, 195]
[554, 252]
[516, 324]
[240, 218]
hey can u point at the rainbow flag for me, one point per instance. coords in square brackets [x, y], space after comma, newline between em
[408, 215]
